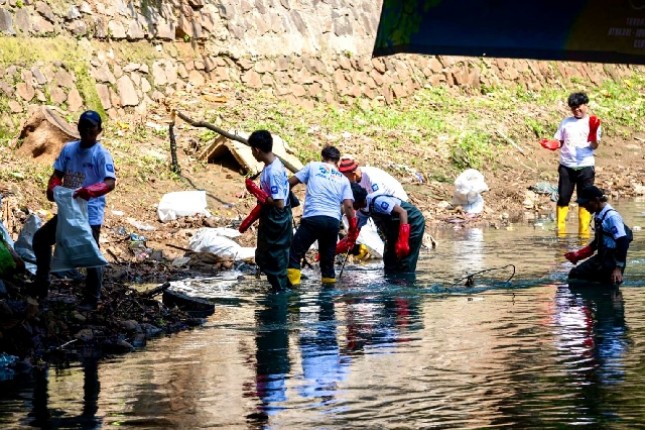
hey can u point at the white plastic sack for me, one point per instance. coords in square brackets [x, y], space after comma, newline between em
[23, 245]
[369, 237]
[182, 203]
[211, 240]
[75, 245]
[468, 188]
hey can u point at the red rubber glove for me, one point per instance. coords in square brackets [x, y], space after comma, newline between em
[594, 123]
[256, 191]
[95, 190]
[353, 231]
[550, 144]
[581, 254]
[54, 181]
[250, 218]
[344, 246]
[402, 246]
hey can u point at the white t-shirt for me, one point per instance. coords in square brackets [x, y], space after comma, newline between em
[613, 225]
[274, 181]
[375, 180]
[576, 150]
[326, 189]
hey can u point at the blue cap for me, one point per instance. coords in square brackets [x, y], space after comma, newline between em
[90, 116]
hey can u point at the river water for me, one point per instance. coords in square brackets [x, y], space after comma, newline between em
[530, 353]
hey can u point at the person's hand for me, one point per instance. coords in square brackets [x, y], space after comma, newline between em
[250, 218]
[580, 254]
[344, 245]
[91, 191]
[617, 276]
[256, 191]
[54, 181]
[402, 246]
[353, 231]
[594, 123]
[550, 144]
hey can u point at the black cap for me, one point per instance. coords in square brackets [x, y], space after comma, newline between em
[589, 193]
[90, 116]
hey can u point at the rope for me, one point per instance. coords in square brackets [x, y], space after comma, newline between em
[471, 282]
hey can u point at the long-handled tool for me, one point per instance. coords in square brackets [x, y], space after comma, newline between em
[344, 262]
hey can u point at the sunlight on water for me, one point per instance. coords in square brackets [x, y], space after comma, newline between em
[531, 353]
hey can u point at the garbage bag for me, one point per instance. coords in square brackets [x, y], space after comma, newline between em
[75, 245]
[468, 188]
[211, 240]
[182, 203]
[24, 244]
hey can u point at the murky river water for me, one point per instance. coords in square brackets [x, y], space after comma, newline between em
[365, 354]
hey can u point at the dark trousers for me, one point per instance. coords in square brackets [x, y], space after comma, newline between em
[570, 178]
[595, 269]
[43, 240]
[322, 228]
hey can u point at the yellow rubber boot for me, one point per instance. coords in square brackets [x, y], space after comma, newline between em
[328, 281]
[293, 275]
[363, 253]
[584, 222]
[561, 218]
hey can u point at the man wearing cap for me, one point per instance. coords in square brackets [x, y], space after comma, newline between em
[577, 137]
[372, 179]
[611, 242]
[327, 189]
[86, 166]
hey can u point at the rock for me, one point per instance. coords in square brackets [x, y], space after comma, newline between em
[158, 74]
[46, 11]
[74, 100]
[85, 335]
[135, 31]
[130, 326]
[15, 106]
[6, 22]
[196, 79]
[116, 30]
[44, 134]
[73, 13]
[25, 90]
[63, 79]
[23, 21]
[127, 93]
[37, 74]
[58, 96]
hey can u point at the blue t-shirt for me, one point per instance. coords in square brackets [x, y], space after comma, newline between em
[326, 189]
[83, 167]
[274, 181]
[612, 225]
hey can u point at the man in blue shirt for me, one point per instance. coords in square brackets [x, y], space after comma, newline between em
[86, 166]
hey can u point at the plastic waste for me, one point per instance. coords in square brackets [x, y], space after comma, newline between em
[7, 363]
[75, 245]
[140, 225]
[369, 237]
[24, 244]
[138, 247]
[211, 240]
[182, 203]
[468, 188]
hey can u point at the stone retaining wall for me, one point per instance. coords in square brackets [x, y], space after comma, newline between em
[302, 50]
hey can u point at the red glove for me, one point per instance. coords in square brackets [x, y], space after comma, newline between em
[402, 246]
[95, 190]
[550, 144]
[353, 232]
[344, 246]
[581, 254]
[256, 191]
[594, 123]
[250, 219]
[54, 181]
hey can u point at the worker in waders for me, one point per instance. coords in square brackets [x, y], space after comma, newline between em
[577, 137]
[327, 189]
[611, 242]
[273, 210]
[400, 223]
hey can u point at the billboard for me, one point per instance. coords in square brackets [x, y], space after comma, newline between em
[609, 31]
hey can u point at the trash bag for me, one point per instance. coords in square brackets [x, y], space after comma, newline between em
[24, 244]
[468, 188]
[210, 240]
[75, 245]
[182, 203]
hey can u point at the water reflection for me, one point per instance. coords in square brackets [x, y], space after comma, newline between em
[45, 416]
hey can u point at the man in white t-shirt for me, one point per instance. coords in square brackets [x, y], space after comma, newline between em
[327, 189]
[372, 179]
[577, 137]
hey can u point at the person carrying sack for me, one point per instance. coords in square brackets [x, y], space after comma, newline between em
[274, 211]
[85, 166]
[611, 242]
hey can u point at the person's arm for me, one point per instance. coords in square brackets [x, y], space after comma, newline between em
[55, 180]
[622, 244]
[402, 245]
[293, 181]
[402, 213]
[96, 190]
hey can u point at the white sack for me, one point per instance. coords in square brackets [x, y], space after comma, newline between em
[468, 188]
[182, 203]
[211, 240]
